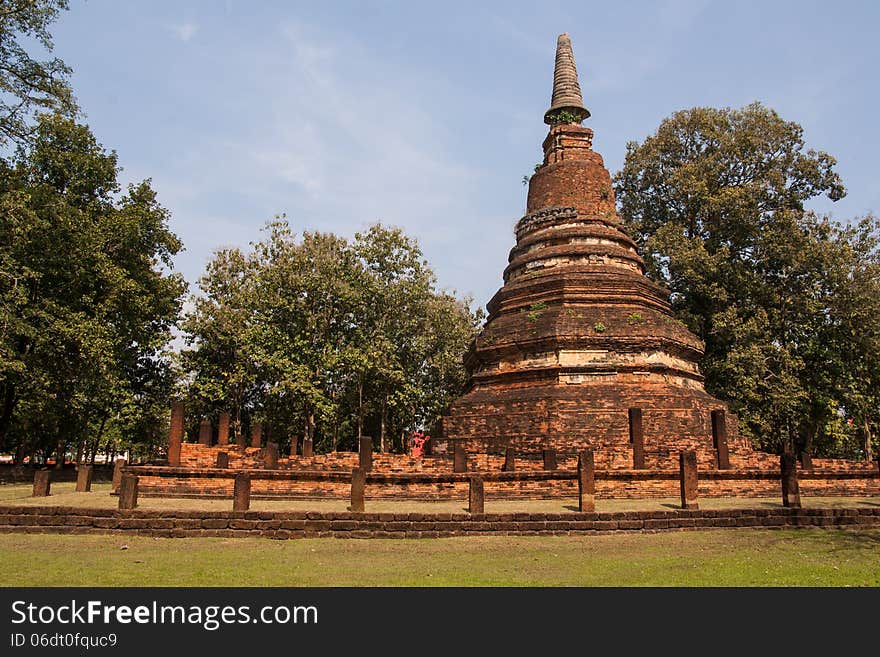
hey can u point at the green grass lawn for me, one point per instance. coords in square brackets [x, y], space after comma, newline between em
[742, 557]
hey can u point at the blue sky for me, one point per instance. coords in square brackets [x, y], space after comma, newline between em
[427, 115]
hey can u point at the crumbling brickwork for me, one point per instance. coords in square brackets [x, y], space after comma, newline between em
[311, 524]
[397, 476]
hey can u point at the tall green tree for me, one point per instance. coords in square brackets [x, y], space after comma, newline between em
[412, 339]
[87, 298]
[336, 338]
[219, 336]
[715, 200]
[855, 339]
[397, 288]
[27, 84]
[307, 304]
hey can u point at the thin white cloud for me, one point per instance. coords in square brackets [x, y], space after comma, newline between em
[184, 31]
[337, 138]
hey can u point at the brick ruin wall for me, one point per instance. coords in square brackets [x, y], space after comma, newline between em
[291, 525]
[395, 476]
[526, 422]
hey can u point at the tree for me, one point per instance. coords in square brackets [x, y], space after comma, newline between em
[219, 333]
[26, 84]
[397, 287]
[715, 201]
[334, 337]
[87, 298]
[856, 336]
[308, 298]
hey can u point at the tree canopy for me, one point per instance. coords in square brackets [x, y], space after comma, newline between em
[87, 299]
[785, 300]
[28, 85]
[326, 339]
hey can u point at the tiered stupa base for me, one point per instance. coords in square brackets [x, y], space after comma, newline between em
[573, 417]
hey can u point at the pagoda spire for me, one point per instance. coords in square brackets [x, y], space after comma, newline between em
[567, 98]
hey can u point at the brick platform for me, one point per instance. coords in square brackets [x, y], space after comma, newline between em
[402, 478]
[288, 525]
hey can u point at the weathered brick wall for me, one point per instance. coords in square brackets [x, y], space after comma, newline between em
[612, 457]
[194, 455]
[528, 482]
[570, 418]
[289, 525]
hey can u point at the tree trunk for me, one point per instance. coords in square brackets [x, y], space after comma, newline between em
[807, 434]
[869, 455]
[236, 423]
[100, 435]
[809, 437]
[360, 407]
[383, 417]
[308, 430]
[8, 408]
[18, 459]
[60, 449]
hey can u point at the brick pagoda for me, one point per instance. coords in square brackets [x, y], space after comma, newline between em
[578, 335]
[580, 351]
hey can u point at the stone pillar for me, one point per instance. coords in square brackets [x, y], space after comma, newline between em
[459, 458]
[637, 438]
[223, 429]
[358, 487]
[719, 439]
[549, 459]
[118, 464]
[222, 460]
[176, 435]
[365, 453]
[205, 432]
[83, 478]
[308, 447]
[257, 434]
[241, 492]
[476, 497]
[586, 482]
[687, 474]
[791, 493]
[806, 461]
[42, 483]
[509, 460]
[128, 491]
[270, 456]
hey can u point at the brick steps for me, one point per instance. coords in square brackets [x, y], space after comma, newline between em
[310, 524]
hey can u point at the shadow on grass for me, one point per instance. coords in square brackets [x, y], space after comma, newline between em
[834, 541]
